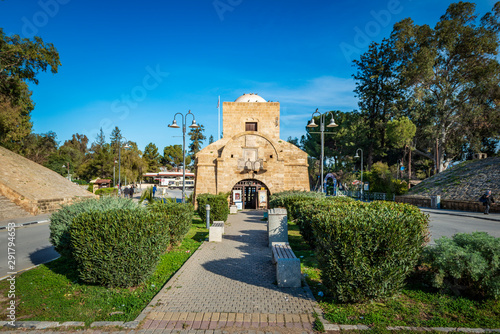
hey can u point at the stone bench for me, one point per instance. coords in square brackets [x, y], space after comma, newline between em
[287, 265]
[277, 225]
[216, 231]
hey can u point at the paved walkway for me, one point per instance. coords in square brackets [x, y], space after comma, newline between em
[230, 284]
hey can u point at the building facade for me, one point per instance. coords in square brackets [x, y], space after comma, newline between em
[250, 162]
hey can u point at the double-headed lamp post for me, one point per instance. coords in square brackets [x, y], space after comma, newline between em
[120, 159]
[312, 124]
[357, 156]
[175, 126]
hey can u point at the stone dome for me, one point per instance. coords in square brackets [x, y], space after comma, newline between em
[250, 98]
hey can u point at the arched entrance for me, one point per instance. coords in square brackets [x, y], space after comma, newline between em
[250, 194]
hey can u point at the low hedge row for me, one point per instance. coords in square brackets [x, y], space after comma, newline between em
[114, 241]
[364, 250]
[106, 191]
[219, 207]
[118, 247]
[60, 221]
[177, 216]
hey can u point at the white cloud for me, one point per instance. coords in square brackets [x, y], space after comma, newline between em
[325, 92]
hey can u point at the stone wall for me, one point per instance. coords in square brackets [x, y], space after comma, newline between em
[447, 204]
[265, 114]
[33, 187]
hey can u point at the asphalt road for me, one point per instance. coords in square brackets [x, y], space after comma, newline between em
[449, 225]
[32, 245]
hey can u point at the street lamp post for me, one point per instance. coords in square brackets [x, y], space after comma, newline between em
[357, 156]
[312, 124]
[68, 171]
[175, 126]
[114, 178]
[119, 159]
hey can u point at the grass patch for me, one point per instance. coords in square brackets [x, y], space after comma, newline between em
[418, 305]
[53, 292]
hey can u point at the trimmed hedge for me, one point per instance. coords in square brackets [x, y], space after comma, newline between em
[290, 200]
[118, 247]
[366, 250]
[469, 263]
[106, 191]
[61, 220]
[177, 216]
[219, 207]
[300, 204]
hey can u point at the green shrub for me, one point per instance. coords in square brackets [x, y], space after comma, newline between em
[299, 205]
[177, 216]
[219, 207]
[118, 247]
[380, 178]
[90, 188]
[467, 262]
[61, 220]
[290, 200]
[303, 210]
[366, 250]
[106, 191]
[400, 187]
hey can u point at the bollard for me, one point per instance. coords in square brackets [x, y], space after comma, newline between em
[207, 207]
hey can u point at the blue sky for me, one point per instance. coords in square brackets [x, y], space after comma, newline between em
[135, 64]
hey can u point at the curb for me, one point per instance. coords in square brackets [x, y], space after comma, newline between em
[459, 214]
[54, 324]
[26, 224]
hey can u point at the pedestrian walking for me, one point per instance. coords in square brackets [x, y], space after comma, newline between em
[126, 192]
[154, 190]
[487, 200]
[132, 191]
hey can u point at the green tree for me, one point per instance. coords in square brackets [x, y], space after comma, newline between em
[21, 60]
[116, 139]
[400, 133]
[38, 147]
[378, 90]
[100, 160]
[132, 164]
[197, 137]
[172, 156]
[453, 74]
[151, 158]
[210, 139]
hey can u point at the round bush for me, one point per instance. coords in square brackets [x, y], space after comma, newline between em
[469, 263]
[366, 250]
[61, 220]
[118, 247]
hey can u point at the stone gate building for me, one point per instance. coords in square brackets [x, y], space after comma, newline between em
[250, 161]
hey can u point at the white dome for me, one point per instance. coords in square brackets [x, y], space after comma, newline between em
[250, 98]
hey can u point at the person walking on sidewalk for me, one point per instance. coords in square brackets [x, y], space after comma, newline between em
[487, 199]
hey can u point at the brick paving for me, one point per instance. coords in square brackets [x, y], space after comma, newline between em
[231, 284]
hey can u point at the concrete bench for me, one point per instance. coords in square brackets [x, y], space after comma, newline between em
[216, 231]
[287, 265]
[277, 225]
[233, 210]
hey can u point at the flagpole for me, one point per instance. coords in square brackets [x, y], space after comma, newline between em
[218, 120]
